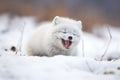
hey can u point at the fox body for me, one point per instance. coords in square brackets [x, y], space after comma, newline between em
[60, 37]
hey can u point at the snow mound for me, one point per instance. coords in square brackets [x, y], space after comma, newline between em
[57, 68]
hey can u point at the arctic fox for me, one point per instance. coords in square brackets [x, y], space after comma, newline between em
[60, 37]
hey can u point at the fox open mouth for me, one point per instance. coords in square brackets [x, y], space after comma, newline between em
[66, 43]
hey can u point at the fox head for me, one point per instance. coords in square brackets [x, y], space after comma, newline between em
[66, 32]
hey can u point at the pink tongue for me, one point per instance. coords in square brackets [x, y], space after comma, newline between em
[67, 44]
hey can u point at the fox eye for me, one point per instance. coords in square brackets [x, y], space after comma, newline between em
[64, 32]
[74, 34]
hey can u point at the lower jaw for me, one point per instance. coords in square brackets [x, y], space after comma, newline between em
[66, 48]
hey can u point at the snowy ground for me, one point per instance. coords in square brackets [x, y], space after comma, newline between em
[20, 67]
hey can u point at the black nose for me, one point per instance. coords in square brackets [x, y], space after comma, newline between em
[70, 37]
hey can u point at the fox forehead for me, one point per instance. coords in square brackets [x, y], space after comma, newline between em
[68, 28]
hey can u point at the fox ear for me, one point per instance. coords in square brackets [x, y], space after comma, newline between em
[56, 20]
[80, 24]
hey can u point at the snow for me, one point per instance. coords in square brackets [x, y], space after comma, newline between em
[20, 67]
[58, 67]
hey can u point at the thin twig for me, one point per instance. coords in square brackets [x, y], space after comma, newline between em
[83, 50]
[19, 47]
[21, 39]
[83, 54]
[108, 29]
[90, 69]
